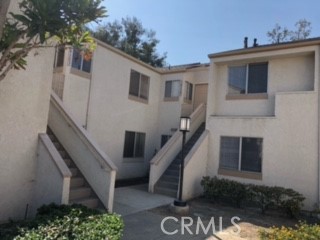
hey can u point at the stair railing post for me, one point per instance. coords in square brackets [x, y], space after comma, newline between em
[184, 128]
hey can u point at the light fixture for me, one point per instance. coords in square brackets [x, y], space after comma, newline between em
[184, 124]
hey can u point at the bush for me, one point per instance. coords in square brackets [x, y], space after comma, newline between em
[265, 197]
[223, 189]
[301, 231]
[65, 222]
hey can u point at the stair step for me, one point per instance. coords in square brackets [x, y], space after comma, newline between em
[76, 182]
[52, 137]
[78, 193]
[167, 178]
[170, 172]
[88, 202]
[170, 185]
[74, 171]
[67, 161]
[166, 191]
[63, 154]
[58, 146]
[174, 167]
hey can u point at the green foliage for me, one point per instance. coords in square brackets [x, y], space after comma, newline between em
[131, 37]
[222, 189]
[39, 21]
[301, 231]
[265, 197]
[65, 222]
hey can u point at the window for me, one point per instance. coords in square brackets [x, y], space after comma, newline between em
[164, 139]
[172, 89]
[59, 57]
[78, 62]
[241, 153]
[134, 145]
[189, 91]
[139, 85]
[250, 78]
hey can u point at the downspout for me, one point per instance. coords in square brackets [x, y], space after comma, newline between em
[89, 94]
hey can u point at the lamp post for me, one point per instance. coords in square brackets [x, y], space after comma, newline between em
[184, 128]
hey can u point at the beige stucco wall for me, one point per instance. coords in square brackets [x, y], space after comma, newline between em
[288, 123]
[289, 73]
[170, 111]
[111, 112]
[52, 183]
[76, 95]
[24, 104]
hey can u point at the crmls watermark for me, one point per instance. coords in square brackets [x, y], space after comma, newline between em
[188, 222]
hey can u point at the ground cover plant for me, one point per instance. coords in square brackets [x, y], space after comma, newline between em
[73, 222]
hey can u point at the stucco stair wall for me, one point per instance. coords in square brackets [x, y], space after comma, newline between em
[168, 183]
[80, 190]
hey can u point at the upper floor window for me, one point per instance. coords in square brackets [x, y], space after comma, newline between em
[59, 59]
[134, 145]
[241, 153]
[79, 62]
[250, 78]
[172, 89]
[139, 85]
[189, 91]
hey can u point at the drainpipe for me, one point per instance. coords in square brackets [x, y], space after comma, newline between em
[89, 94]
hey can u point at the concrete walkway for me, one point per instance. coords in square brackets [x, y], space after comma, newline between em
[134, 199]
[136, 206]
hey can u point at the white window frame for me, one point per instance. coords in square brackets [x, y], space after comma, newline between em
[140, 86]
[247, 76]
[240, 154]
[180, 90]
[81, 62]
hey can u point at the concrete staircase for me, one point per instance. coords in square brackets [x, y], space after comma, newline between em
[169, 182]
[80, 190]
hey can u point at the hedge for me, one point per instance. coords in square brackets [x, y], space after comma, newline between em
[73, 222]
[301, 231]
[264, 197]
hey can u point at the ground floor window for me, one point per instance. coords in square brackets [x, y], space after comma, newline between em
[241, 153]
[134, 144]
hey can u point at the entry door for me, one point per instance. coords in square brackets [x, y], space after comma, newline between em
[200, 95]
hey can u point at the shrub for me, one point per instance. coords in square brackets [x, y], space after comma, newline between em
[221, 189]
[65, 222]
[265, 197]
[301, 231]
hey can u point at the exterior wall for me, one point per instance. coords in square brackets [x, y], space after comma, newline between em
[287, 121]
[171, 111]
[52, 176]
[111, 112]
[24, 105]
[76, 96]
[285, 74]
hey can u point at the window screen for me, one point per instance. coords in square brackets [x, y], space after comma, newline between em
[229, 152]
[251, 155]
[258, 78]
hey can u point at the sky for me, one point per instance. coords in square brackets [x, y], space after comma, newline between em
[189, 30]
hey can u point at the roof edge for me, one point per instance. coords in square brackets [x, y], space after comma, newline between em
[269, 47]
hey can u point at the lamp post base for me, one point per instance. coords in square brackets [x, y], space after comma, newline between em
[181, 210]
[179, 203]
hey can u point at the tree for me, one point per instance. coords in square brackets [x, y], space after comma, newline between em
[303, 30]
[282, 34]
[131, 37]
[278, 34]
[61, 21]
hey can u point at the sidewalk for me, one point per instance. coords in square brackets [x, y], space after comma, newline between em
[143, 214]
